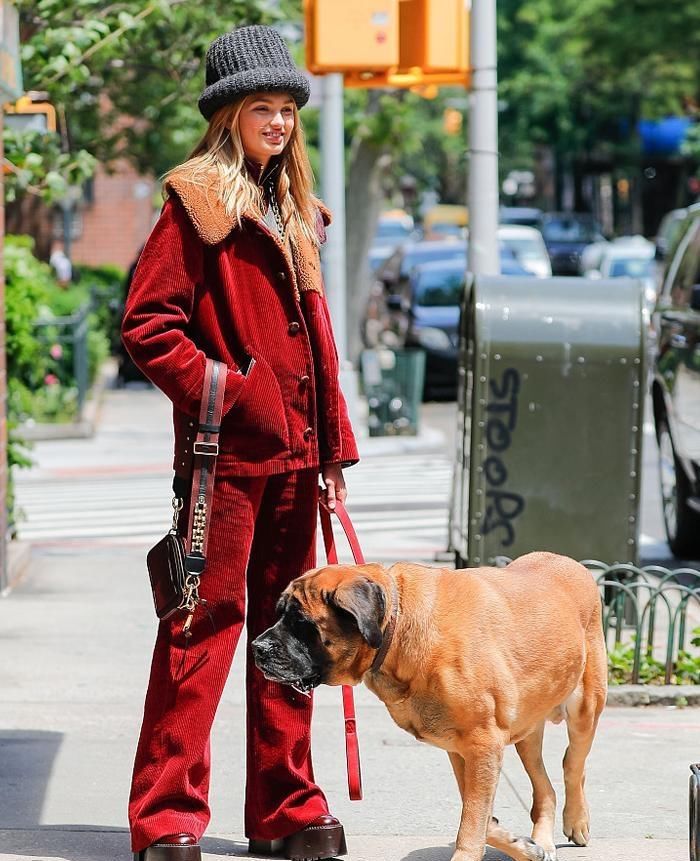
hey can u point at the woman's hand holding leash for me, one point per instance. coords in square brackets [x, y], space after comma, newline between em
[332, 474]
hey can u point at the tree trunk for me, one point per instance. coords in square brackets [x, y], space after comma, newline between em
[30, 215]
[363, 201]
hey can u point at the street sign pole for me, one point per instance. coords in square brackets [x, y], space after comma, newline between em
[483, 142]
[333, 192]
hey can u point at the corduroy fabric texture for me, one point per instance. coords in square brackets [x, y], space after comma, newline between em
[232, 301]
[250, 60]
[262, 536]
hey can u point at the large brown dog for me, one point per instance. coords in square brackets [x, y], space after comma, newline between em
[479, 658]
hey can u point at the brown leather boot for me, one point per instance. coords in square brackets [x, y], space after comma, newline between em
[172, 847]
[322, 838]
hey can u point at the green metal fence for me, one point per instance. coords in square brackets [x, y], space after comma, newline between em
[72, 333]
[649, 617]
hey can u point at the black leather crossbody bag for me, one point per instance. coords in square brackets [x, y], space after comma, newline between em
[175, 564]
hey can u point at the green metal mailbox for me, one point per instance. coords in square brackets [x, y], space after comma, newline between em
[550, 398]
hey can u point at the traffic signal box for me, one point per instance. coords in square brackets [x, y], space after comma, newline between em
[389, 43]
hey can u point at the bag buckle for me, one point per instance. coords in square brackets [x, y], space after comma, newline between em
[208, 449]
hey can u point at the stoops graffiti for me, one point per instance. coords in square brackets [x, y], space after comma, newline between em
[503, 506]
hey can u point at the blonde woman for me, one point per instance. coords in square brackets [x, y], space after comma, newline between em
[231, 272]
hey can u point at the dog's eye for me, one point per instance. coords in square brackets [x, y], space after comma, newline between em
[327, 642]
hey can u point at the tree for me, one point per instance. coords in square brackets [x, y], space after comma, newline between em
[124, 78]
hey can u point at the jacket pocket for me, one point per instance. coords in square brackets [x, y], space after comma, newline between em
[257, 425]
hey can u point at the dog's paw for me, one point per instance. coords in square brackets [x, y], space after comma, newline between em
[577, 828]
[532, 851]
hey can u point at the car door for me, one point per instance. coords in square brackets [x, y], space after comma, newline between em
[679, 349]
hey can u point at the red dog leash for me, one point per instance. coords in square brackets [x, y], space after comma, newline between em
[352, 747]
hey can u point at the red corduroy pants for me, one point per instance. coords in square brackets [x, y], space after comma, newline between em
[262, 536]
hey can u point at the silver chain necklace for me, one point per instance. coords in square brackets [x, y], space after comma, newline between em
[274, 206]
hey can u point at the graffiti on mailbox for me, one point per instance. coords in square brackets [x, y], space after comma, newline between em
[502, 506]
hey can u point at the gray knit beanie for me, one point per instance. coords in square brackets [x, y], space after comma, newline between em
[249, 60]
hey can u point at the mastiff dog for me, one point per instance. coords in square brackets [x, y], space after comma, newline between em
[468, 661]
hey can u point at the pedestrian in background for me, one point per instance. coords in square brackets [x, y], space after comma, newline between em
[231, 272]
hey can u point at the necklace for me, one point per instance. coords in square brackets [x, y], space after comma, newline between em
[274, 206]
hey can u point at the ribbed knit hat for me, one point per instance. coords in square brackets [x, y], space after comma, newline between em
[249, 60]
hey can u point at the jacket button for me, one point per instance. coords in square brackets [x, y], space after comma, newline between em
[308, 433]
[282, 276]
[305, 380]
[293, 327]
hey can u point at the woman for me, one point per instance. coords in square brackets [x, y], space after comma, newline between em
[231, 272]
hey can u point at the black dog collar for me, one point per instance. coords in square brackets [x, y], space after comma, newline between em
[388, 631]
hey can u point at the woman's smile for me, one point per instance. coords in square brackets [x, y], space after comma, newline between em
[266, 124]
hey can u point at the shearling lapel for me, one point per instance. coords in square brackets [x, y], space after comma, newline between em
[213, 224]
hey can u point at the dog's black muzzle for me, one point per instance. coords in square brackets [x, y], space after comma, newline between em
[283, 658]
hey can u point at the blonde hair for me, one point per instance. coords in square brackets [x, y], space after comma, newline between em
[220, 153]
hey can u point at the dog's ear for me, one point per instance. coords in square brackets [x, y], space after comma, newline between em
[364, 600]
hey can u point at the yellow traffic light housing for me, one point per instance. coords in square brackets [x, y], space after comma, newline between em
[28, 114]
[360, 34]
[414, 44]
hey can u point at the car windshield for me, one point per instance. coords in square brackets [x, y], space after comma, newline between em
[391, 230]
[428, 254]
[632, 267]
[569, 230]
[439, 289]
[524, 249]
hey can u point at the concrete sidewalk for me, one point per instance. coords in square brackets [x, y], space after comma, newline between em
[75, 641]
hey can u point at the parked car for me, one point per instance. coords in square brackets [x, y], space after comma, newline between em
[393, 229]
[566, 234]
[676, 393]
[527, 245]
[445, 220]
[669, 232]
[527, 216]
[629, 257]
[426, 315]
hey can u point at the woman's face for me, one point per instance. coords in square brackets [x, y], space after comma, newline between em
[265, 125]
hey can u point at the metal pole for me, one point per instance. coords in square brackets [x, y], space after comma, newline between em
[483, 142]
[333, 192]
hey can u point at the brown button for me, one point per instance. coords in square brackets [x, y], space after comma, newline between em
[308, 433]
[282, 276]
[293, 327]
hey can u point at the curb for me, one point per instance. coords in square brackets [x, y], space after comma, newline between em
[83, 429]
[654, 695]
[428, 441]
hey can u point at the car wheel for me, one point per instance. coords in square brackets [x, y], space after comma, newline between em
[681, 522]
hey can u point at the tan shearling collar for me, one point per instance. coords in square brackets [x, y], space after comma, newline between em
[213, 224]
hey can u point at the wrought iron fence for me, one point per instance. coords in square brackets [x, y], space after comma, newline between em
[72, 333]
[650, 614]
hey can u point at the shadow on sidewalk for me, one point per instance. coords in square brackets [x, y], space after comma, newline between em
[91, 843]
[444, 853]
[27, 758]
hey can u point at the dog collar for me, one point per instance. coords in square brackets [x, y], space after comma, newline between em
[388, 631]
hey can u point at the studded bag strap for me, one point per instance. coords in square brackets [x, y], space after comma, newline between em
[205, 451]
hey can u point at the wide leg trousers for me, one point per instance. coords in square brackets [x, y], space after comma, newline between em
[262, 536]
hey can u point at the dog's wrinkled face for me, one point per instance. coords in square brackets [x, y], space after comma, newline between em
[328, 630]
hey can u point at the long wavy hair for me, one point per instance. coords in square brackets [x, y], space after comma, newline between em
[220, 154]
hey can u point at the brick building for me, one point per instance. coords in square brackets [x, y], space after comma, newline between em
[114, 218]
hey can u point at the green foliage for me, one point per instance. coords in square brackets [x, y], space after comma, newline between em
[686, 669]
[577, 75]
[39, 165]
[105, 287]
[101, 62]
[40, 371]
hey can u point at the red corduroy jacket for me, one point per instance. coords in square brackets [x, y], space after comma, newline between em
[206, 288]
